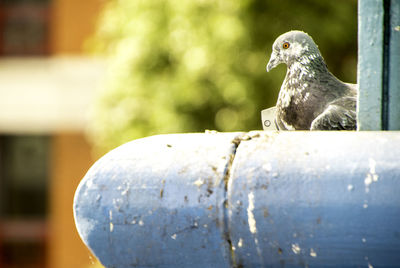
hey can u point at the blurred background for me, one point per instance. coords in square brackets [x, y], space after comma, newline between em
[78, 78]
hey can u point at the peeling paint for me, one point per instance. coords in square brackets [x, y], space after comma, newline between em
[296, 248]
[240, 243]
[250, 215]
[198, 182]
[371, 175]
[350, 187]
[372, 165]
[252, 223]
[226, 214]
[89, 184]
[118, 203]
[126, 190]
[313, 253]
[110, 216]
[162, 188]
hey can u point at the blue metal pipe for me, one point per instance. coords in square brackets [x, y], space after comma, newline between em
[258, 199]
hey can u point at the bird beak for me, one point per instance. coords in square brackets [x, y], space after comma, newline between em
[273, 61]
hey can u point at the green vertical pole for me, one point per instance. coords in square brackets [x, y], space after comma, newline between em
[394, 65]
[370, 68]
[379, 65]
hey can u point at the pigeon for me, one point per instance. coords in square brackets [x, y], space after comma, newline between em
[311, 97]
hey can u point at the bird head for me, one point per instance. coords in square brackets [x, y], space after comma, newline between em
[291, 47]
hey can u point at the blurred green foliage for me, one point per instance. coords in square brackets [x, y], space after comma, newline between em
[191, 65]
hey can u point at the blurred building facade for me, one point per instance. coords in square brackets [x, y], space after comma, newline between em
[47, 84]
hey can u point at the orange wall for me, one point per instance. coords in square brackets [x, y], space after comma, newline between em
[72, 22]
[71, 158]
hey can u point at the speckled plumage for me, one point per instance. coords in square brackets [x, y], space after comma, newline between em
[311, 97]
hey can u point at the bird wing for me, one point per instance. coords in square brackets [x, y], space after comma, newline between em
[339, 115]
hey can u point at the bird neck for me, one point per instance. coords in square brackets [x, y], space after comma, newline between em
[311, 61]
[306, 68]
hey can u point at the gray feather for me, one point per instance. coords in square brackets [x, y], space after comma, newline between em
[311, 97]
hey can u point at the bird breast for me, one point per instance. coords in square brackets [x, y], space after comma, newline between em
[299, 102]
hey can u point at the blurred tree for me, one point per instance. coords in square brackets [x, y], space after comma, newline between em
[190, 65]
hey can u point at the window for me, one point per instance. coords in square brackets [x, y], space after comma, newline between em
[24, 27]
[24, 173]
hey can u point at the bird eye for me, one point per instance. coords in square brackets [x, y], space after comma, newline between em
[286, 45]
